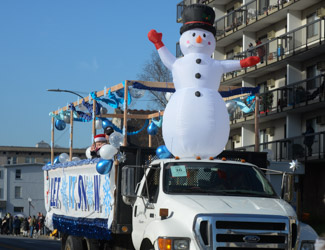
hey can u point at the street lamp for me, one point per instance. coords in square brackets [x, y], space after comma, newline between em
[64, 90]
[29, 203]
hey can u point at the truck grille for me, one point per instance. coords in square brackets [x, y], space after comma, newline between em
[233, 231]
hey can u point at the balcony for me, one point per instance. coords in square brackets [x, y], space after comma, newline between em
[294, 148]
[309, 37]
[248, 14]
[297, 95]
[180, 7]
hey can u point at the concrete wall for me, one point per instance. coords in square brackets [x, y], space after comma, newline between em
[32, 186]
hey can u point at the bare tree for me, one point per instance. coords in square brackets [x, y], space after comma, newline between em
[154, 70]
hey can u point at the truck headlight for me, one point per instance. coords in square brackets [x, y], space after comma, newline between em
[307, 245]
[168, 243]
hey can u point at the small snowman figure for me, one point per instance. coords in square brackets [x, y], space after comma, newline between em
[196, 121]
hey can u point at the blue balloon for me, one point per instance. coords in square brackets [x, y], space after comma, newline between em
[152, 129]
[162, 152]
[60, 124]
[104, 166]
[106, 123]
[56, 160]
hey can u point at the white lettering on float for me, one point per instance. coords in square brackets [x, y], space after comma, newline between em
[81, 182]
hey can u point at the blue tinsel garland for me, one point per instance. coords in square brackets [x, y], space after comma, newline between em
[71, 164]
[89, 228]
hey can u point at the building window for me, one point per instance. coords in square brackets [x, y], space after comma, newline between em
[263, 5]
[312, 72]
[230, 18]
[18, 194]
[263, 139]
[18, 209]
[1, 193]
[29, 160]
[46, 160]
[18, 174]
[0, 174]
[230, 54]
[312, 29]
[12, 160]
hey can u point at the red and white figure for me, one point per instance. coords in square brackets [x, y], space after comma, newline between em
[100, 138]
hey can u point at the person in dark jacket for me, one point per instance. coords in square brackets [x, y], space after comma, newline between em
[4, 225]
[309, 139]
[10, 223]
[25, 227]
[16, 226]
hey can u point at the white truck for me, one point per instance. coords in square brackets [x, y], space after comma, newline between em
[171, 204]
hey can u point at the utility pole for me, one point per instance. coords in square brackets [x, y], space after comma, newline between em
[257, 124]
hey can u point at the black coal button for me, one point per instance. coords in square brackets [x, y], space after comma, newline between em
[198, 75]
[197, 93]
[198, 61]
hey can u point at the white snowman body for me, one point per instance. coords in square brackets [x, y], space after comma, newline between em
[196, 121]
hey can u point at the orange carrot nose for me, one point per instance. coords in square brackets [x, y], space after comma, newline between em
[199, 39]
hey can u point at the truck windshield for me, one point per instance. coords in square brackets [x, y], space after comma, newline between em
[216, 179]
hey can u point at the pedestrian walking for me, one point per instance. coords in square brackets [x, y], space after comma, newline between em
[32, 223]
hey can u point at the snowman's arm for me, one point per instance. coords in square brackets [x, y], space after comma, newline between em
[166, 57]
[232, 65]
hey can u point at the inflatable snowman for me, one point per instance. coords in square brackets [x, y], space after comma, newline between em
[196, 121]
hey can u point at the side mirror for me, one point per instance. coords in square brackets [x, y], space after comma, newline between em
[287, 188]
[128, 184]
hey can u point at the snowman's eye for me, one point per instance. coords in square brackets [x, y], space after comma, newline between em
[204, 35]
[193, 34]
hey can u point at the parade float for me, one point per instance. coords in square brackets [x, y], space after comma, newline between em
[186, 194]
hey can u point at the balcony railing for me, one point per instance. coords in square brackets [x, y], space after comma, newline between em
[302, 93]
[302, 148]
[247, 14]
[279, 48]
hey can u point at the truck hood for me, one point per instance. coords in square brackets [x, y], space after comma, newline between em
[229, 204]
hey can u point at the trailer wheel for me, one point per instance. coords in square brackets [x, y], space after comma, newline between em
[73, 243]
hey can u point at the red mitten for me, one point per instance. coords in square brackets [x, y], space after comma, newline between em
[155, 38]
[249, 61]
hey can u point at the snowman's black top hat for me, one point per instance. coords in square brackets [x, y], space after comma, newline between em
[198, 16]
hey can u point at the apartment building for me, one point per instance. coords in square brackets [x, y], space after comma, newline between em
[22, 177]
[290, 77]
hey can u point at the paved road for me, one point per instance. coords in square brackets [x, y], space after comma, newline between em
[23, 243]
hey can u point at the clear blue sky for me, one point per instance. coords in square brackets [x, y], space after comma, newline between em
[77, 45]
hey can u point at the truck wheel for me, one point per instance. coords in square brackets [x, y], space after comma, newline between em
[73, 243]
[146, 245]
[92, 244]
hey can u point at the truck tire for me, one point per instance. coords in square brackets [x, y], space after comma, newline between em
[92, 244]
[146, 245]
[73, 243]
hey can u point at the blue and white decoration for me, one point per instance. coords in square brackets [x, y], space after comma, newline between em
[76, 192]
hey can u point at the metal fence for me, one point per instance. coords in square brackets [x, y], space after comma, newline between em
[304, 147]
[277, 49]
[248, 14]
[302, 93]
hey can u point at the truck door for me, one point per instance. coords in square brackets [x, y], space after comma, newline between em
[145, 210]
